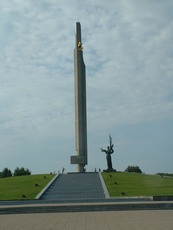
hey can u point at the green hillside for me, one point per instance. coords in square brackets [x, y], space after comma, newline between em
[130, 184]
[23, 187]
[134, 184]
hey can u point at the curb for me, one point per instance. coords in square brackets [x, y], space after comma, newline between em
[96, 207]
[107, 196]
[46, 187]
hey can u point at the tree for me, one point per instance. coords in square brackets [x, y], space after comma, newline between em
[134, 169]
[21, 171]
[6, 173]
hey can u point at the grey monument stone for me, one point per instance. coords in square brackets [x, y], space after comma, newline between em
[80, 104]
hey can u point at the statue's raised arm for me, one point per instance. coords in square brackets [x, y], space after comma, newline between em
[111, 145]
[103, 150]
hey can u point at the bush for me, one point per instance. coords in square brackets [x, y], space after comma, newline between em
[134, 169]
[6, 173]
[165, 174]
[21, 172]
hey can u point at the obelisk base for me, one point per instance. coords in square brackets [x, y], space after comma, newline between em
[80, 161]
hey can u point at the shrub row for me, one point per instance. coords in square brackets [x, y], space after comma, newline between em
[134, 169]
[17, 172]
[165, 174]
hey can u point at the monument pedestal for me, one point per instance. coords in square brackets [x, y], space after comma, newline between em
[109, 170]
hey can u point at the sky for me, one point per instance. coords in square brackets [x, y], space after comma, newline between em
[128, 55]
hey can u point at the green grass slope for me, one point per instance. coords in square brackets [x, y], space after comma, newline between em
[23, 187]
[133, 184]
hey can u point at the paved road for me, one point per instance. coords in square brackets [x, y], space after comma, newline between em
[137, 220]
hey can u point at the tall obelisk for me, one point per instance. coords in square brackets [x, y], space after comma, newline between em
[80, 104]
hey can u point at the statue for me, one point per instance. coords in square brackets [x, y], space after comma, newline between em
[108, 152]
[79, 45]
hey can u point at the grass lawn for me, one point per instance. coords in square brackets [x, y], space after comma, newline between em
[23, 187]
[134, 184]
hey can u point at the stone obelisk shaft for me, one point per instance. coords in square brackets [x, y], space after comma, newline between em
[80, 104]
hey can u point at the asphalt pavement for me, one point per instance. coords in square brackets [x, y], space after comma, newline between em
[136, 220]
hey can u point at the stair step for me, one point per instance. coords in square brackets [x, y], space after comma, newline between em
[75, 186]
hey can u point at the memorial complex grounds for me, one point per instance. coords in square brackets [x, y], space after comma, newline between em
[119, 184]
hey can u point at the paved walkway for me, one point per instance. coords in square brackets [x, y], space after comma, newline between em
[136, 220]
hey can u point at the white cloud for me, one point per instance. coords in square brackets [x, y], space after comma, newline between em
[133, 81]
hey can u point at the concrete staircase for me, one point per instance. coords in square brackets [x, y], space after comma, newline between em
[75, 186]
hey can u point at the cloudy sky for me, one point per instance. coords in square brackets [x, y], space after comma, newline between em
[128, 54]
